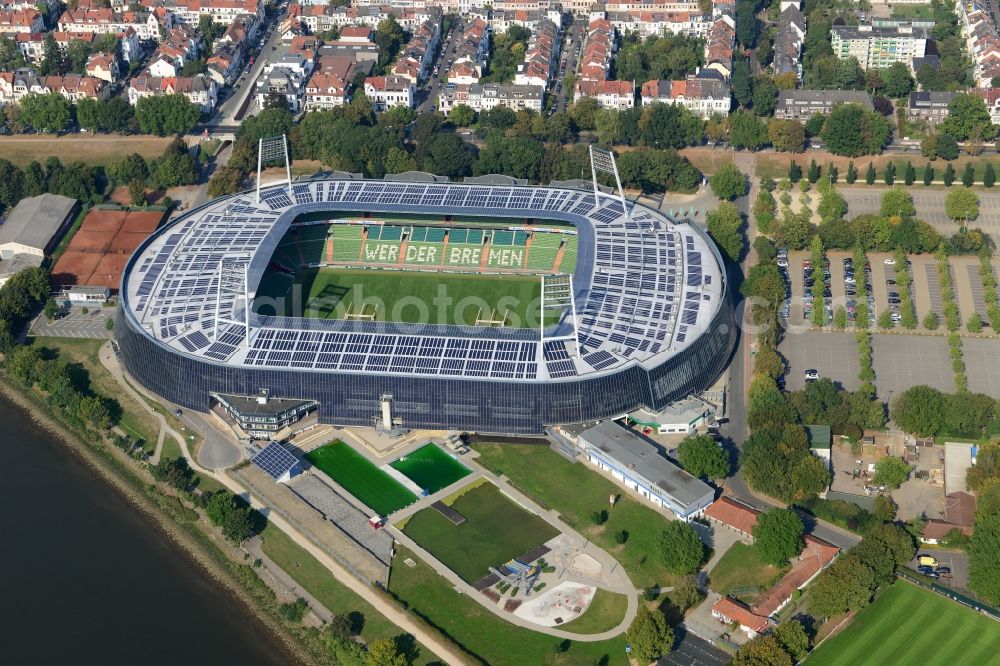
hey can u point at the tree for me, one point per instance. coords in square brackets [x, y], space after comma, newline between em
[889, 173]
[167, 115]
[665, 126]
[747, 131]
[52, 56]
[764, 650]
[975, 323]
[225, 180]
[846, 585]
[448, 155]
[462, 115]
[725, 224]
[649, 635]
[891, 471]
[962, 204]
[928, 176]
[814, 126]
[931, 321]
[920, 409]
[968, 175]
[793, 638]
[728, 182]
[680, 548]
[852, 173]
[778, 536]
[384, 652]
[786, 135]
[885, 508]
[984, 565]
[989, 175]
[50, 112]
[389, 37]
[897, 81]
[814, 171]
[741, 84]
[947, 147]
[897, 202]
[130, 168]
[852, 130]
[702, 456]
[949, 175]
[10, 55]
[794, 172]
[870, 174]
[910, 174]
[137, 193]
[968, 118]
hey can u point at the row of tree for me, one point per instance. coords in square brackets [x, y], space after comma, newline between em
[929, 412]
[162, 115]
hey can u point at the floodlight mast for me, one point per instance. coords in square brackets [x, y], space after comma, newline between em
[602, 160]
[274, 148]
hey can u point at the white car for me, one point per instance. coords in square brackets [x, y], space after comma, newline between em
[889, 261]
[811, 375]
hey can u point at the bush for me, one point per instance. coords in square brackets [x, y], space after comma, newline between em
[931, 321]
[294, 611]
[599, 517]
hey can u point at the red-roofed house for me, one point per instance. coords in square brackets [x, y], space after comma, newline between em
[816, 556]
[386, 92]
[21, 21]
[729, 610]
[609, 94]
[356, 33]
[103, 66]
[733, 515]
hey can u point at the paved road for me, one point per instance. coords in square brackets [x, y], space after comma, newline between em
[76, 324]
[430, 91]
[568, 59]
[226, 112]
[691, 650]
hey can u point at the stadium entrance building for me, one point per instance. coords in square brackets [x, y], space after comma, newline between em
[642, 315]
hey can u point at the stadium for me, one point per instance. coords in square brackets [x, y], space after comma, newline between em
[486, 306]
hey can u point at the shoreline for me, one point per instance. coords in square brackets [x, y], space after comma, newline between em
[196, 549]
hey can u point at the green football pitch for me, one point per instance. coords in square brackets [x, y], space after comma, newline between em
[495, 531]
[910, 625]
[430, 468]
[418, 297]
[360, 477]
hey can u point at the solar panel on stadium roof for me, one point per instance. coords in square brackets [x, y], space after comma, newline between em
[275, 461]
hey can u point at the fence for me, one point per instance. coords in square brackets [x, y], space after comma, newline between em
[954, 595]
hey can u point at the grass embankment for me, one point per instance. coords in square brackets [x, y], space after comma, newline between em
[488, 638]
[604, 613]
[495, 531]
[576, 491]
[94, 150]
[909, 625]
[742, 574]
[317, 580]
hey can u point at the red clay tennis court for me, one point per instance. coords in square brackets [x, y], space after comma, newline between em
[86, 240]
[145, 221]
[75, 267]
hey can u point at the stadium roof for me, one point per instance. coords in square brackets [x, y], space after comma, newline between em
[35, 221]
[646, 287]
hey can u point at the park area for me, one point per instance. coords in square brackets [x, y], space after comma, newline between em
[361, 478]
[577, 491]
[495, 531]
[94, 150]
[911, 625]
[430, 468]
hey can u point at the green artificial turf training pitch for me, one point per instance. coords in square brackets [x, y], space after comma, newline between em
[358, 476]
[430, 468]
[910, 625]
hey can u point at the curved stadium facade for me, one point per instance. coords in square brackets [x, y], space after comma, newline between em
[653, 323]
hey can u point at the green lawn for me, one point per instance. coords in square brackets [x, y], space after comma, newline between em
[320, 583]
[910, 625]
[741, 572]
[479, 631]
[361, 477]
[431, 468]
[604, 613]
[418, 297]
[576, 490]
[495, 531]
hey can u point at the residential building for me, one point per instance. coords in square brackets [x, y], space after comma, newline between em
[637, 464]
[189, 12]
[103, 66]
[959, 515]
[788, 40]
[692, 23]
[877, 48]
[386, 92]
[720, 45]
[803, 104]
[618, 95]
[357, 33]
[417, 55]
[541, 58]
[982, 40]
[992, 98]
[200, 89]
[731, 611]
[487, 96]
[286, 76]
[109, 22]
[702, 96]
[21, 21]
[929, 106]
[16, 85]
[225, 65]
[598, 51]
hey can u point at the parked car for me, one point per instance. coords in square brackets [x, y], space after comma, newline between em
[811, 375]
[889, 261]
[895, 301]
[925, 560]
[943, 570]
[890, 281]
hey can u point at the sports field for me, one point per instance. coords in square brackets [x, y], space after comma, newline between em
[358, 476]
[430, 468]
[910, 625]
[495, 531]
[411, 298]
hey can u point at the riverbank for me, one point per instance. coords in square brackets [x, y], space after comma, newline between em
[167, 514]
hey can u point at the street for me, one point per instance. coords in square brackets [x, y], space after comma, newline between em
[427, 95]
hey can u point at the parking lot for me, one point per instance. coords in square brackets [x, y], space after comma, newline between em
[834, 354]
[902, 362]
[929, 205]
[956, 561]
[76, 324]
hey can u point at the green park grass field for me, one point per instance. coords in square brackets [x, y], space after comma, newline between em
[910, 625]
[415, 297]
[430, 468]
[495, 531]
[358, 476]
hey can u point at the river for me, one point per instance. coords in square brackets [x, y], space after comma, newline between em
[85, 579]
